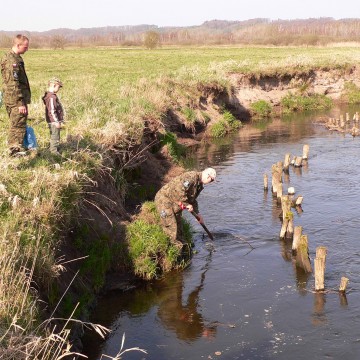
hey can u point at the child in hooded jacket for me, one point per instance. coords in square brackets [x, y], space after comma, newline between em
[54, 113]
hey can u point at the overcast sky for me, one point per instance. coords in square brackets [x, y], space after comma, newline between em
[40, 15]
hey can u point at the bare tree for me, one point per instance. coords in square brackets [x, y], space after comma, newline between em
[151, 40]
[58, 42]
[5, 41]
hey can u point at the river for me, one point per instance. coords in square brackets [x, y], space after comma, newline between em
[242, 297]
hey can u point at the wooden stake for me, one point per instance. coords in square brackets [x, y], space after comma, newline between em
[299, 200]
[285, 205]
[296, 240]
[287, 228]
[298, 161]
[283, 229]
[319, 274]
[305, 152]
[265, 182]
[279, 193]
[321, 252]
[343, 284]
[302, 255]
[276, 173]
[290, 228]
[320, 262]
[342, 122]
[287, 162]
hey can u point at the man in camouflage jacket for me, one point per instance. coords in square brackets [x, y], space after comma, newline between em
[182, 190]
[17, 94]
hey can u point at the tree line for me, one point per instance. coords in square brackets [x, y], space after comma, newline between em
[320, 31]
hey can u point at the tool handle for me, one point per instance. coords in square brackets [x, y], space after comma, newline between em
[197, 217]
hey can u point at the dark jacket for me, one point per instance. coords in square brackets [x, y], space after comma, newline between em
[16, 85]
[53, 109]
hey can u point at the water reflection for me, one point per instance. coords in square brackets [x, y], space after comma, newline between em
[186, 319]
[302, 278]
[319, 315]
[343, 300]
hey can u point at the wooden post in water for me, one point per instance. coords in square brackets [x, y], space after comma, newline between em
[342, 122]
[265, 182]
[302, 255]
[320, 262]
[356, 117]
[276, 178]
[354, 131]
[287, 228]
[285, 205]
[298, 161]
[296, 240]
[305, 152]
[343, 284]
[331, 123]
[279, 192]
[287, 162]
[297, 202]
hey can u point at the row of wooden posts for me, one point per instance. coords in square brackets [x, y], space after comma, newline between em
[289, 232]
[344, 125]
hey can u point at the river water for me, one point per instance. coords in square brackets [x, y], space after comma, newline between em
[242, 297]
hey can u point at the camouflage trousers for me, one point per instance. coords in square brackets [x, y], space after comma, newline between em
[17, 129]
[170, 219]
[54, 138]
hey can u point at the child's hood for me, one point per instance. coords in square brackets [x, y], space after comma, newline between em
[47, 95]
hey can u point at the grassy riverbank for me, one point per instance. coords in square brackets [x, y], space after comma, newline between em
[63, 219]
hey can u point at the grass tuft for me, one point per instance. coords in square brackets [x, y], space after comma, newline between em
[351, 93]
[150, 249]
[227, 124]
[261, 109]
[175, 150]
[291, 103]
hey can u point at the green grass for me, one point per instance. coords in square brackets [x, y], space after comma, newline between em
[227, 124]
[291, 103]
[351, 93]
[261, 109]
[176, 150]
[110, 68]
[150, 249]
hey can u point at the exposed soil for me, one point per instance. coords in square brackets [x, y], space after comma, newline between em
[272, 89]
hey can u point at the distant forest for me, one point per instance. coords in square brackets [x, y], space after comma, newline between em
[319, 31]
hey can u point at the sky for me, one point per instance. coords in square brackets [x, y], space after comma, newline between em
[42, 15]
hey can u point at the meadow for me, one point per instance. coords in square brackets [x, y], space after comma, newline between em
[108, 95]
[110, 68]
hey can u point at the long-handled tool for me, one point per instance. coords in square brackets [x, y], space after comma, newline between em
[197, 217]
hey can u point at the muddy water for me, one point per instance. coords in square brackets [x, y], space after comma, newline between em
[242, 297]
